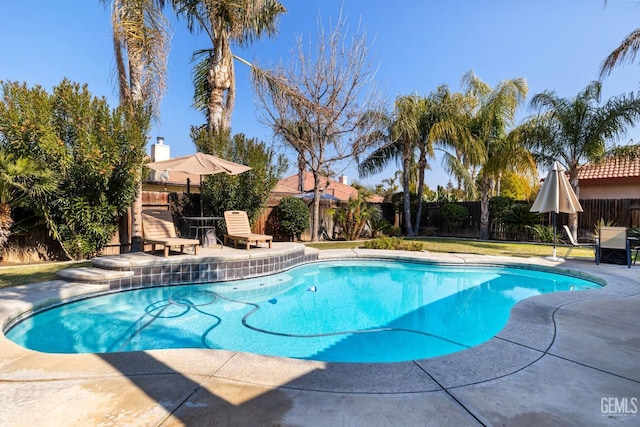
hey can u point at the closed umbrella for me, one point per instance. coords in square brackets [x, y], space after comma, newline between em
[556, 195]
[200, 164]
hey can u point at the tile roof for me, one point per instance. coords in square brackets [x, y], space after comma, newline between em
[288, 186]
[283, 189]
[610, 168]
[343, 192]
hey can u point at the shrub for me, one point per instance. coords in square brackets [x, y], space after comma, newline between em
[454, 215]
[354, 216]
[520, 216]
[499, 206]
[544, 233]
[602, 223]
[95, 152]
[248, 191]
[395, 244]
[394, 231]
[293, 216]
[377, 224]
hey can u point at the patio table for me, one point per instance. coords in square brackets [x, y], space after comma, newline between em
[204, 227]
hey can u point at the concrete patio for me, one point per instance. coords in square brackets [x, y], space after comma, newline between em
[569, 358]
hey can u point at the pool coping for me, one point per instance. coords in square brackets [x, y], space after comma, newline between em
[526, 340]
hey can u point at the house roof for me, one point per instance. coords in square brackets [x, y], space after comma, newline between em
[280, 188]
[341, 191]
[610, 169]
[286, 186]
[375, 198]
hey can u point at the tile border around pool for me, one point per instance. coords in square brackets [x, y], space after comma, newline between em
[513, 349]
[146, 270]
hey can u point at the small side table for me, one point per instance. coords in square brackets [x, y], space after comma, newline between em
[202, 226]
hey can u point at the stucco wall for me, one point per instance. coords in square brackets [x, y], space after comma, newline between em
[610, 191]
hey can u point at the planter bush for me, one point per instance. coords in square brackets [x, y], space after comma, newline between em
[293, 217]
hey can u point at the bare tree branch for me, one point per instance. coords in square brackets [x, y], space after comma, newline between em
[323, 104]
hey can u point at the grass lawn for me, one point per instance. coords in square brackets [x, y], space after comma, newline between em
[477, 247]
[33, 273]
[17, 275]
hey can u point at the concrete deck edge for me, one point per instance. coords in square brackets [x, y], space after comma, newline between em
[498, 357]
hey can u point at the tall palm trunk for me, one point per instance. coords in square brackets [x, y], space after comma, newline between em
[220, 79]
[135, 83]
[422, 166]
[484, 208]
[573, 218]
[140, 38]
[5, 223]
[136, 70]
[406, 200]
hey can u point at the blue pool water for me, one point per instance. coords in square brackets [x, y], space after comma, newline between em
[347, 311]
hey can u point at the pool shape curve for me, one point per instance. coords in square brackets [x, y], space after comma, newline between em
[334, 311]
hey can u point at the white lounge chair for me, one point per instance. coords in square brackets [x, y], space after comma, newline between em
[158, 229]
[575, 244]
[239, 229]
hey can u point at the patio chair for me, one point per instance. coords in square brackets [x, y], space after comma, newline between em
[612, 243]
[238, 229]
[575, 244]
[158, 229]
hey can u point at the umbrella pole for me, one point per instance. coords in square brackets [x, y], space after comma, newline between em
[554, 235]
[201, 208]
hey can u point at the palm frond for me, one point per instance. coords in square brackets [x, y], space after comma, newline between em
[141, 43]
[226, 22]
[201, 88]
[380, 158]
[623, 54]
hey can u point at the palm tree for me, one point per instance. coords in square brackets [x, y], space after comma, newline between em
[22, 183]
[441, 130]
[391, 184]
[574, 131]
[481, 138]
[140, 42]
[354, 217]
[399, 143]
[225, 22]
[460, 152]
[419, 124]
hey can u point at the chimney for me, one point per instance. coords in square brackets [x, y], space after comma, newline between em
[342, 179]
[160, 152]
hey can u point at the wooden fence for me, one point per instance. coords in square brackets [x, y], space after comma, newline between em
[620, 212]
[37, 245]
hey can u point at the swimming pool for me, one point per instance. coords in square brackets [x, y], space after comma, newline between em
[340, 311]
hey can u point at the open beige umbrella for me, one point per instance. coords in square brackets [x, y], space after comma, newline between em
[200, 164]
[556, 195]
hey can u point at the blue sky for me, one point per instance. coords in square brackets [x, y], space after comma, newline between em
[416, 44]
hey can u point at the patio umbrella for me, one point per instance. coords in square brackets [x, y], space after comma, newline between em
[556, 195]
[323, 196]
[200, 164]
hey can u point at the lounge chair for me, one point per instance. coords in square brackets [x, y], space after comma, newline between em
[575, 244]
[158, 229]
[238, 229]
[611, 242]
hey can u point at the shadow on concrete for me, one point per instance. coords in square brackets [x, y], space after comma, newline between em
[192, 399]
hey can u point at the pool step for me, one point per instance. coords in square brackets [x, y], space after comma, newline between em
[92, 274]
